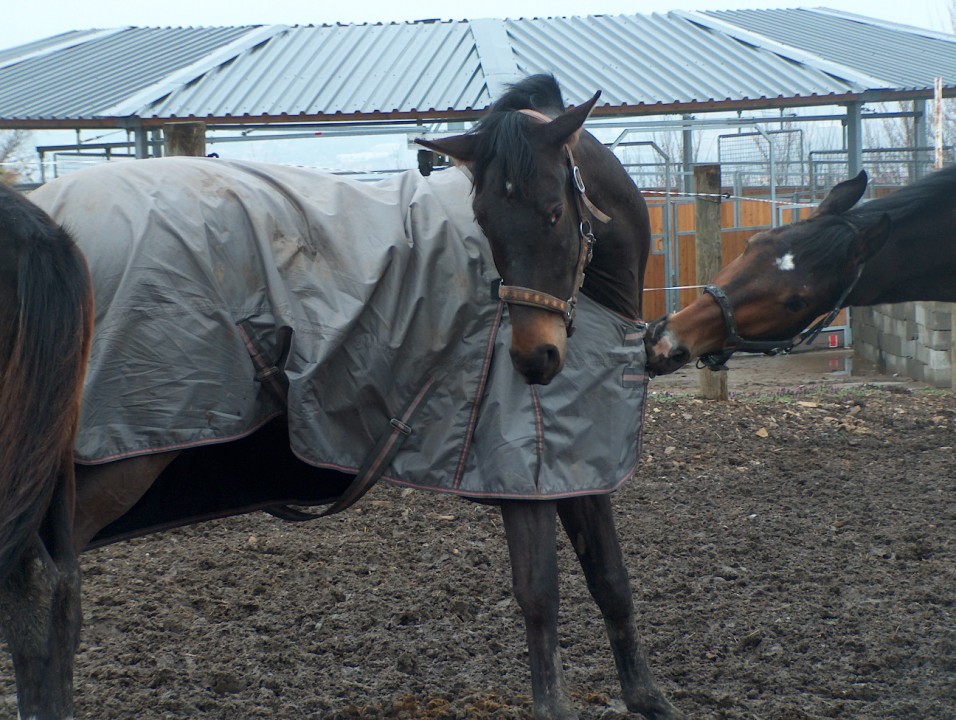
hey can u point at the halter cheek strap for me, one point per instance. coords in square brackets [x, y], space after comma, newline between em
[517, 295]
[734, 343]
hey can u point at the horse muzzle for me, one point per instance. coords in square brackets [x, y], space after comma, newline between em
[665, 354]
[541, 366]
[538, 344]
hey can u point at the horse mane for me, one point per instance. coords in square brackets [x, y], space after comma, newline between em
[833, 235]
[936, 189]
[503, 132]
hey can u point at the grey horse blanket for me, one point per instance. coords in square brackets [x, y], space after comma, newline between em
[375, 302]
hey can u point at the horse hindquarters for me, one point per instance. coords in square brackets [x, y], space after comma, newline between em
[40, 612]
[46, 322]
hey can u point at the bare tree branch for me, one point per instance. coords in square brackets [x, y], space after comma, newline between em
[12, 143]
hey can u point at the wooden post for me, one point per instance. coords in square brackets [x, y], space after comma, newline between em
[713, 384]
[185, 138]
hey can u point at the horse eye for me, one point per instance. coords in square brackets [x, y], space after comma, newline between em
[795, 303]
[555, 216]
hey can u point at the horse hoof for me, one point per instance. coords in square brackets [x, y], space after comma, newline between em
[656, 707]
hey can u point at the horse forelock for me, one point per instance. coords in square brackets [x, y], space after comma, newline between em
[536, 92]
[504, 138]
[505, 132]
[823, 243]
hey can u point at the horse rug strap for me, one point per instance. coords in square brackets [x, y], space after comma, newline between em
[381, 456]
[270, 374]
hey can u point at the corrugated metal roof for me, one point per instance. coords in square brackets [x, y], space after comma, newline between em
[85, 79]
[653, 61]
[657, 63]
[342, 70]
[903, 57]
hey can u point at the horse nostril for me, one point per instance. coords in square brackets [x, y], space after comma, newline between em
[655, 330]
[680, 355]
[541, 366]
[552, 358]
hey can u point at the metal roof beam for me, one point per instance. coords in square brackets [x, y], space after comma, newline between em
[495, 55]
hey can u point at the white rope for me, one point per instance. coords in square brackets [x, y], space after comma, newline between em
[674, 287]
[726, 196]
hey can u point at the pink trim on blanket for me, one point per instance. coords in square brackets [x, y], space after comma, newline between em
[476, 405]
[179, 446]
[538, 434]
[514, 496]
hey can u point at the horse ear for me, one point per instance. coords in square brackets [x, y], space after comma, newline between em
[843, 196]
[871, 239]
[459, 147]
[564, 128]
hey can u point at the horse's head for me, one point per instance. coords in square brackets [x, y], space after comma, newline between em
[785, 278]
[527, 204]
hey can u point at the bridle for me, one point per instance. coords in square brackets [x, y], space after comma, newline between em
[734, 343]
[518, 295]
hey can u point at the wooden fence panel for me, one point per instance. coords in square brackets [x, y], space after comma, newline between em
[733, 240]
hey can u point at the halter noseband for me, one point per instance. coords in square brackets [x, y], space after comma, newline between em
[734, 343]
[517, 295]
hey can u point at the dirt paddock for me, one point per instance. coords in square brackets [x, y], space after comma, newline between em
[792, 554]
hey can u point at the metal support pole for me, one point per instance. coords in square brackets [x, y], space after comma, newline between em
[854, 138]
[156, 142]
[773, 176]
[920, 138]
[687, 156]
[141, 143]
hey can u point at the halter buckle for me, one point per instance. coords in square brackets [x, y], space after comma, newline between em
[578, 180]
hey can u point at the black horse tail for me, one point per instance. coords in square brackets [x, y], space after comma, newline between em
[46, 322]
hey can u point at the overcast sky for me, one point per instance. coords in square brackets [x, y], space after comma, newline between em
[32, 21]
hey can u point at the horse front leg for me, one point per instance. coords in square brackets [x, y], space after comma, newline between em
[530, 527]
[589, 523]
[40, 612]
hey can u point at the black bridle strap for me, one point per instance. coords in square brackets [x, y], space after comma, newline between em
[578, 181]
[732, 340]
[810, 335]
[734, 343]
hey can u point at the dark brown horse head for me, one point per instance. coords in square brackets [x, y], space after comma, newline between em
[527, 205]
[786, 278]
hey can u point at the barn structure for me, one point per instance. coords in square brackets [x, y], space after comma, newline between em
[683, 72]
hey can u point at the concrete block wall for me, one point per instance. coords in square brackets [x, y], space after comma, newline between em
[909, 339]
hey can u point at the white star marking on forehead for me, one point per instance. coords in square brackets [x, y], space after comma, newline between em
[785, 262]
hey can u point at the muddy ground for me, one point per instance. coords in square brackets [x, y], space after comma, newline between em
[792, 554]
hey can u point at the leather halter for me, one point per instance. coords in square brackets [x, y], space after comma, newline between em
[734, 343]
[517, 295]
